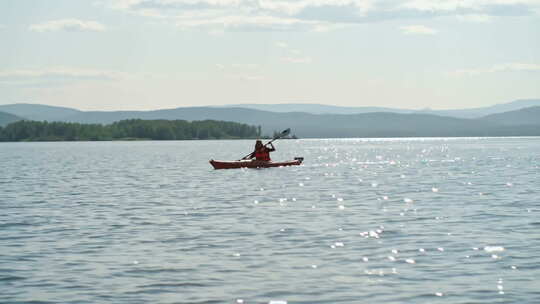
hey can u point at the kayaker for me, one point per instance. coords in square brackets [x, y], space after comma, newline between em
[262, 152]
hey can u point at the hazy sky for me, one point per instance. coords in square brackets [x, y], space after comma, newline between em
[148, 54]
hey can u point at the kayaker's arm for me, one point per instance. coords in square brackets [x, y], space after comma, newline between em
[252, 155]
[271, 148]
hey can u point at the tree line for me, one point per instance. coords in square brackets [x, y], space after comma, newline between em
[26, 130]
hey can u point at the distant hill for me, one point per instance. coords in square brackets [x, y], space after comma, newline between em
[313, 108]
[527, 116]
[330, 109]
[269, 121]
[373, 124]
[480, 112]
[38, 112]
[303, 124]
[29, 130]
[52, 113]
[6, 118]
[380, 124]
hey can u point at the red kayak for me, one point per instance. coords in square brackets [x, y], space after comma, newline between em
[217, 164]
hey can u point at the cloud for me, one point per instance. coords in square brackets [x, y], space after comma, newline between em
[292, 55]
[297, 59]
[476, 18]
[314, 15]
[241, 71]
[2, 27]
[246, 77]
[504, 67]
[241, 66]
[249, 66]
[56, 76]
[243, 15]
[249, 23]
[60, 72]
[468, 5]
[417, 30]
[292, 7]
[71, 25]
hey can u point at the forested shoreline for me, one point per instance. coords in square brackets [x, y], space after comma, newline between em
[132, 129]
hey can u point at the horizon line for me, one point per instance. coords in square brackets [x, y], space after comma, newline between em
[239, 105]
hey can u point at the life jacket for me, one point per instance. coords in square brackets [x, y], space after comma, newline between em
[262, 154]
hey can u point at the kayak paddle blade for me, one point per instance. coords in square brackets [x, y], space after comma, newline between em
[285, 132]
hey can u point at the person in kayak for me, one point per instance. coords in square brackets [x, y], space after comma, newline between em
[262, 152]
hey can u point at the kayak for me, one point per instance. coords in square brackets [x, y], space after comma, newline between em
[217, 164]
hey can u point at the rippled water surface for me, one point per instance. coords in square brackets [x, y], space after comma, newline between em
[362, 221]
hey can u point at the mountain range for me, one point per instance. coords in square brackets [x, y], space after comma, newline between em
[311, 120]
[330, 109]
[7, 118]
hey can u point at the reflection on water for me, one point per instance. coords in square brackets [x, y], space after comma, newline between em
[389, 220]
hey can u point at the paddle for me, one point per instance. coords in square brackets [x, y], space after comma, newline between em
[277, 136]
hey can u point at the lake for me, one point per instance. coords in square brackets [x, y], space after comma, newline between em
[413, 220]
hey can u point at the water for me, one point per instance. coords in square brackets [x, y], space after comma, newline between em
[363, 221]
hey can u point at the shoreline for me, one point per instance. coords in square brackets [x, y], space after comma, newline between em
[389, 138]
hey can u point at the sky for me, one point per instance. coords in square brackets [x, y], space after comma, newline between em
[152, 54]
